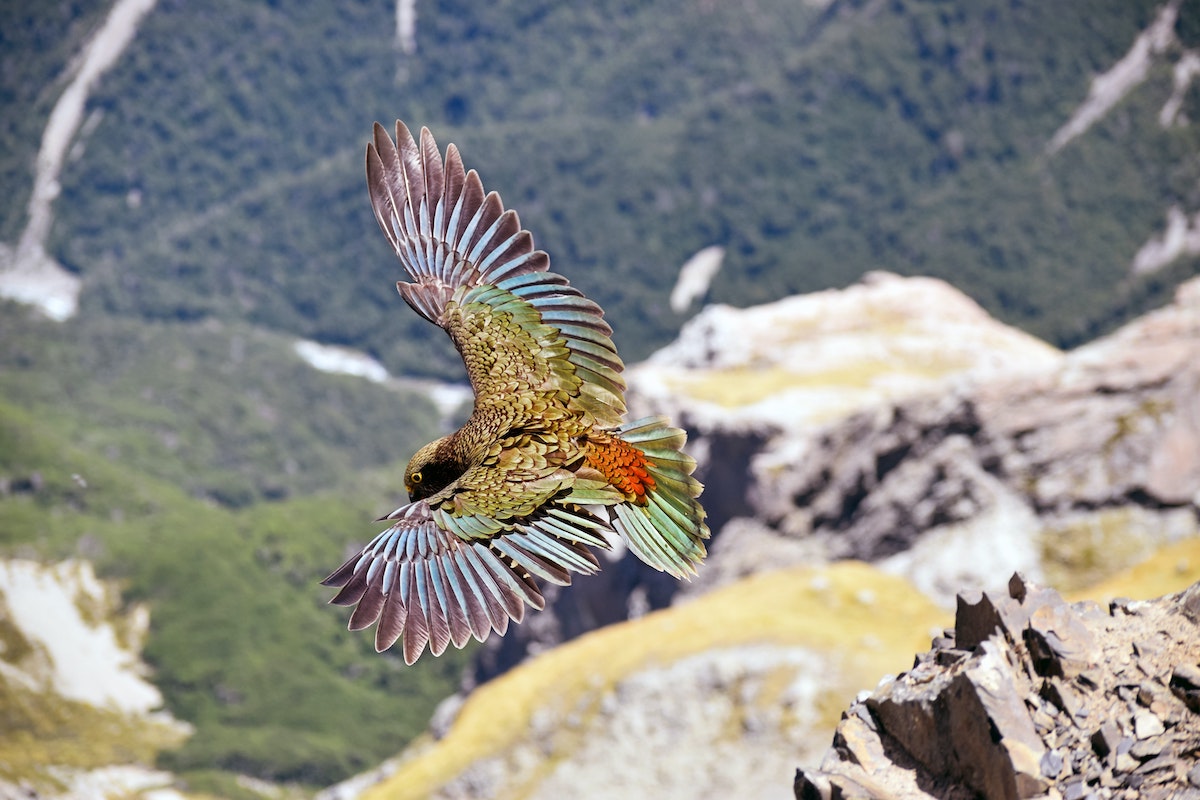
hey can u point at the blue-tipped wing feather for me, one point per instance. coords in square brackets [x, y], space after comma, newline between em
[431, 587]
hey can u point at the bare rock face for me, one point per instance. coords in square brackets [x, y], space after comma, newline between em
[1048, 465]
[1029, 696]
[811, 359]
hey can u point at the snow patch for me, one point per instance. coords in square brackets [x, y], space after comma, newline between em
[38, 281]
[63, 610]
[695, 276]
[406, 26]
[30, 275]
[1186, 69]
[1181, 237]
[341, 360]
[1111, 87]
[447, 397]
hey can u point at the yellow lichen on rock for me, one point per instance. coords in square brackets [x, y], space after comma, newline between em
[1171, 569]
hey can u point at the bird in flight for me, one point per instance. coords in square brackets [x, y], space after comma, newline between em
[545, 468]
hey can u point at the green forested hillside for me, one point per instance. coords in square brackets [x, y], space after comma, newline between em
[37, 42]
[115, 441]
[223, 176]
[223, 411]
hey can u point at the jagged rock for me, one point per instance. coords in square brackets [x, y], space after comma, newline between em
[1185, 683]
[1050, 699]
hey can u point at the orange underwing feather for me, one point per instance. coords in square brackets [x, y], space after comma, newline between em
[622, 464]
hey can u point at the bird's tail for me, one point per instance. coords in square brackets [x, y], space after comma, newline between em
[661, 520]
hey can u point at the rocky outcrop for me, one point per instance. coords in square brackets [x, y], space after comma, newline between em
[1029, 696]
[1065, 469]
[812, 359]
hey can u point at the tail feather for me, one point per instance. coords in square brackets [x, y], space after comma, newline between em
[653, 432]
[671, 506]
[649, 542]
[667, 531]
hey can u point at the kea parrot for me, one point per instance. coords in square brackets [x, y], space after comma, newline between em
[545, 468]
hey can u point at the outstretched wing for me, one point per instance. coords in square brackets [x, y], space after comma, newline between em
[472, 264]
[437, 588]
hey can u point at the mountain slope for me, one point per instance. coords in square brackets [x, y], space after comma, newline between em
[161, 453]
[800, 637]
[722, 696]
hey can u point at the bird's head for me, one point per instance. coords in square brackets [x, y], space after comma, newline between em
[433, 468]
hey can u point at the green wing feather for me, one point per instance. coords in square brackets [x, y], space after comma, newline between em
[667, 531]
[449, 234]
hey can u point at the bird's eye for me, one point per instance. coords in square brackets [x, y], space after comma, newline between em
[415, 477]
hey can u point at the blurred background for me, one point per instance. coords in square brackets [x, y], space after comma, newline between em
[939, 320]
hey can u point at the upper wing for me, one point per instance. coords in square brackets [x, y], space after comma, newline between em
[434, 587]
[472, 263]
